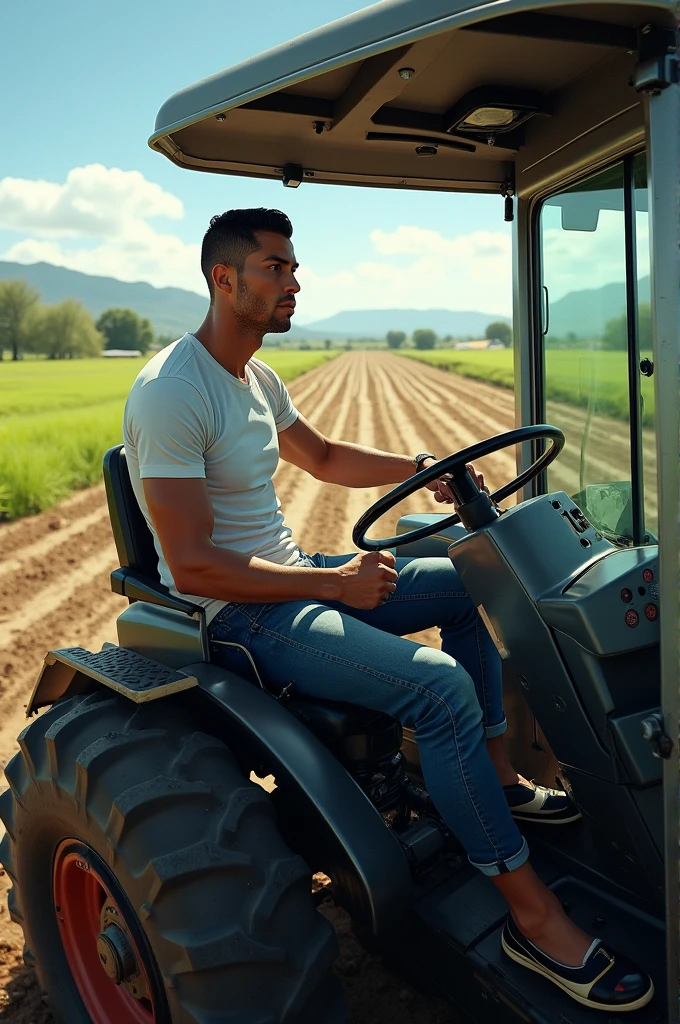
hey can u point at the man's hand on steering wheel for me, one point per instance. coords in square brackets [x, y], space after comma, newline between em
[477, 509]
[440, 486]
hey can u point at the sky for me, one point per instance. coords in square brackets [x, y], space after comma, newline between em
[81, 84]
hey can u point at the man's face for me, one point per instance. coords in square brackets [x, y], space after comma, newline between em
[264, 297]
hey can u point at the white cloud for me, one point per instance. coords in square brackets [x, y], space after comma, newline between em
[94, 200]
[98, 221]
[466, 272]
[422, 241]
[105, 206]
[580, 260]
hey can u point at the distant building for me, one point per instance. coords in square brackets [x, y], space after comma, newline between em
[121, 353]
[480, 346]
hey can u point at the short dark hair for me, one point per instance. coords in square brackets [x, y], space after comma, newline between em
[231, 237]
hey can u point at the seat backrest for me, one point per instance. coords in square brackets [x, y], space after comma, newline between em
[134, 540]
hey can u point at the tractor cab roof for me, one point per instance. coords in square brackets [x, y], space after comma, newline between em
[444, 95]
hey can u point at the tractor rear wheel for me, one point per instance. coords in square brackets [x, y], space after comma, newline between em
[150, 878]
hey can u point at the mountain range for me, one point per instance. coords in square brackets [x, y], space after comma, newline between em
[586, 312]
[175, 310]
[170, 310]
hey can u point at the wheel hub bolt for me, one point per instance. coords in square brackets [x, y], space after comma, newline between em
[116, 954]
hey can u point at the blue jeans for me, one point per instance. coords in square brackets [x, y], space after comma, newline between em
[452, 698]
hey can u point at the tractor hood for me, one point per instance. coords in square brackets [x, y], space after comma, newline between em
[438, 95]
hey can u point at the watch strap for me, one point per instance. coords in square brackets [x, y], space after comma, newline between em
[419, 459]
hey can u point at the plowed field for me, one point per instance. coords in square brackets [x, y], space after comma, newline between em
[54, 590]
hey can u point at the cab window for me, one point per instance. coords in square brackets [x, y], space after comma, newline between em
[596, 334]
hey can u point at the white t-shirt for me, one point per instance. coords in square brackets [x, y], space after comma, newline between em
[187, 417]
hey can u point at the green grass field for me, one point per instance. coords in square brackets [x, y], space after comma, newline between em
[572, 376]
[57, 418]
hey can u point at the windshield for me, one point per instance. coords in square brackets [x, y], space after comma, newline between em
[597, 332]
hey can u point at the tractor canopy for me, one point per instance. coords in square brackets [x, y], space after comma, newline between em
[445, 95]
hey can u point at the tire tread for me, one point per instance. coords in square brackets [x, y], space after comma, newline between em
[65, 755]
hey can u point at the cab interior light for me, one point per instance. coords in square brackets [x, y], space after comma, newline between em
[493, 109]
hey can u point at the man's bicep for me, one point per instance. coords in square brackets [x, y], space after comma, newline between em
[182, 515]
[303, 445]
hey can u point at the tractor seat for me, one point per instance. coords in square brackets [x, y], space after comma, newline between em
[138, 580]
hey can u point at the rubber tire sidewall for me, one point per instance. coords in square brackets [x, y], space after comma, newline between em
[46, 810]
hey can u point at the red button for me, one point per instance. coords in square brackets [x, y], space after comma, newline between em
[647, 575]
[651, 611]
[626, 595]
[632, 617]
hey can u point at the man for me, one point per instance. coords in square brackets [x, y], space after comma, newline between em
[205, 425]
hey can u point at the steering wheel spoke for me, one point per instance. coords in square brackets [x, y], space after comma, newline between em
[475, 508]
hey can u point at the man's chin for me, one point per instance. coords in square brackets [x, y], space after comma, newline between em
[277, 326]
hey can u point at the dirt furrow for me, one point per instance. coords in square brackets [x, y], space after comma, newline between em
[361, 498]
[321, 412]
[90, 608]
[449, 431]
[305, 387]
[46, 546]
[459, 424]
[392, 433]
[605, 434]
[488, 397]
[313, 504]
[18, 535]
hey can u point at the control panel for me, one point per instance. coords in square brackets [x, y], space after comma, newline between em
[612, 606]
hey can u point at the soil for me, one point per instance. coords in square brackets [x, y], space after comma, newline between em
[54, 592]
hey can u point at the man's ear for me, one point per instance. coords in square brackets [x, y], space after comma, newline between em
[223, 276]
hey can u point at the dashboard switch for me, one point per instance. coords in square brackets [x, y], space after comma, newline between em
[626, 595]
[647, 575]
[652, 612]
[632, 618]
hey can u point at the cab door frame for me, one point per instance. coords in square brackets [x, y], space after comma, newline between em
[662, 129]
[661, 105]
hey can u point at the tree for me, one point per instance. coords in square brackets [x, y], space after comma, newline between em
[327, 344]
[615, 334]
[64, 331]
[395, 339]
[499, 330]
[17, 299]
[424, 338]
[163, 340]
[123, 328]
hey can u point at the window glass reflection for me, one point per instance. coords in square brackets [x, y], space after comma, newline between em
[582, 234]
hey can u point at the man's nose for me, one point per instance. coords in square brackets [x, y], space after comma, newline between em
[293, 286]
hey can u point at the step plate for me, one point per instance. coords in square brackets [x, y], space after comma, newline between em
[136, 677]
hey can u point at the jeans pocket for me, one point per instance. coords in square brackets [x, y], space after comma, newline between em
[254, 613]
[220, 625]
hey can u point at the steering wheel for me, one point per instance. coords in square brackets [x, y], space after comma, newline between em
[475, 508]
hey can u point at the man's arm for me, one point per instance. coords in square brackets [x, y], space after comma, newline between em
[353, 465]
[183, 517]
[341, 462]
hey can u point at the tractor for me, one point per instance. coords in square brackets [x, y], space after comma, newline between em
[155, 881]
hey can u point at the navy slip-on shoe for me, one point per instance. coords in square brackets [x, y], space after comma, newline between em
[539, 804]
[606, 980]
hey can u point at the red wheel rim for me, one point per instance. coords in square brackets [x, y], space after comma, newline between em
[82, 896]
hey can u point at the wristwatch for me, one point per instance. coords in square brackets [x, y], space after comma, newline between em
[420, 459]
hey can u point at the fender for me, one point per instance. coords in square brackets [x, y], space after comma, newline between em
[370, 872]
